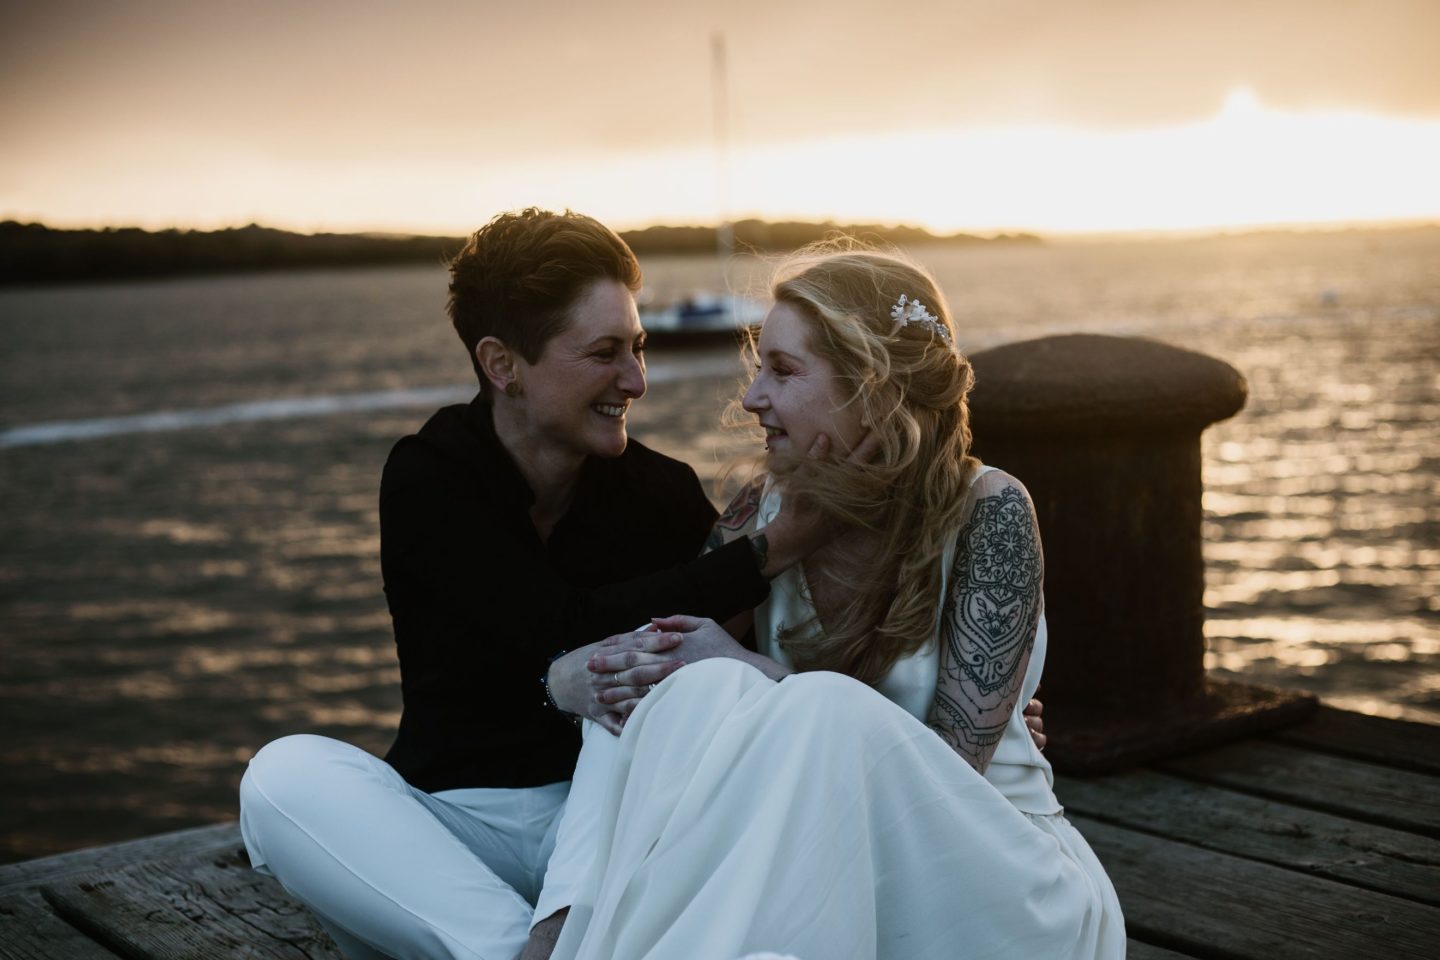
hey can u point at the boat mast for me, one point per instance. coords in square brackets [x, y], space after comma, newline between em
[725, 232]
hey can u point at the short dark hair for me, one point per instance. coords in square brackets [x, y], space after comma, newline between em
[518, 276]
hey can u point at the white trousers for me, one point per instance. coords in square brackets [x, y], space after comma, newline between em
[392, 871]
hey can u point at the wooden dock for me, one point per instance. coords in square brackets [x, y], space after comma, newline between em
[1322, 840]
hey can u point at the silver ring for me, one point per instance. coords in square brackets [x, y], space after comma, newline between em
[650, 688]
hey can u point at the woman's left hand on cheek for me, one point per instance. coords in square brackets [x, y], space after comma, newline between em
[866, 450]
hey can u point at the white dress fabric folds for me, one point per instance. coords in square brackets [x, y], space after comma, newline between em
[817, 818]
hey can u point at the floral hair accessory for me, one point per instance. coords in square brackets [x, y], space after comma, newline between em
[907, 311]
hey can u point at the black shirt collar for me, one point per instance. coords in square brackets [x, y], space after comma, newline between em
[466, 434]
[599, 491]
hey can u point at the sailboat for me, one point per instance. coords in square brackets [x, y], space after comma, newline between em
[701, 315]
[704, 316]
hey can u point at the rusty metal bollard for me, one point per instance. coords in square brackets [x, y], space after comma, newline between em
[1105, 433]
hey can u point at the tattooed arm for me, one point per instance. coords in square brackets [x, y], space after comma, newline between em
[987, 627]
[738, 520]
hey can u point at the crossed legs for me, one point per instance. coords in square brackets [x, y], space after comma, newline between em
[390, 870]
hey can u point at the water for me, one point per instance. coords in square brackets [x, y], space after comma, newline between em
[171, 599]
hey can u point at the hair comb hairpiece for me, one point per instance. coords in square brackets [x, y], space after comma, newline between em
[907, 311]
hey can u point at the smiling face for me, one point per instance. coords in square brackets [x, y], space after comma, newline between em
[796, 394]
[575, 396]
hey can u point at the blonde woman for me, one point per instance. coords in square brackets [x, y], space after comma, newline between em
[862, 785]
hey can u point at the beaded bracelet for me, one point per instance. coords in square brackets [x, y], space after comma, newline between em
[550, 697]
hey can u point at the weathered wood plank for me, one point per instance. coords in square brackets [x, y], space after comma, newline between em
[1398, 743]
[1221, 906]
[198, 911]
[29, 930]
[1363, 854]
[1135, 950]
[196, 842]
[1403, 799]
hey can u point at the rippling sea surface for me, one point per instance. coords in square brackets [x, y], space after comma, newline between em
[171, 600]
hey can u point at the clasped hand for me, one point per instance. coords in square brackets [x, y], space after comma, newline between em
[624, 667]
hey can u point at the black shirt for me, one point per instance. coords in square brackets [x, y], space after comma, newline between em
[480, 604]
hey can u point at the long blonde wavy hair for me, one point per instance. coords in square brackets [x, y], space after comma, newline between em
[910, 387]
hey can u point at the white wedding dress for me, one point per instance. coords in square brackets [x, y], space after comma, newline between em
[822, 818]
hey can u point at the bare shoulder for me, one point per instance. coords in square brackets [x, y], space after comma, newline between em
[995, 482]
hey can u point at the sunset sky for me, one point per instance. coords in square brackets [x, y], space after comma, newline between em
[430, 116]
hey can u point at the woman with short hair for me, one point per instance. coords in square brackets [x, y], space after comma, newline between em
[513, 529]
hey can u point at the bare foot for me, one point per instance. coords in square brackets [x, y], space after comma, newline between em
[543, 936]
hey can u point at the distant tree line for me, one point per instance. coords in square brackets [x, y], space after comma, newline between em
[33, 253]
[765, 237]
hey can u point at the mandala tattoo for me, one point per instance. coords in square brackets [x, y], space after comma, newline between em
[992, 611]
[737, 516]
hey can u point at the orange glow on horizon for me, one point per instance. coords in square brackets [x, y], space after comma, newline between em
[1246, 167]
